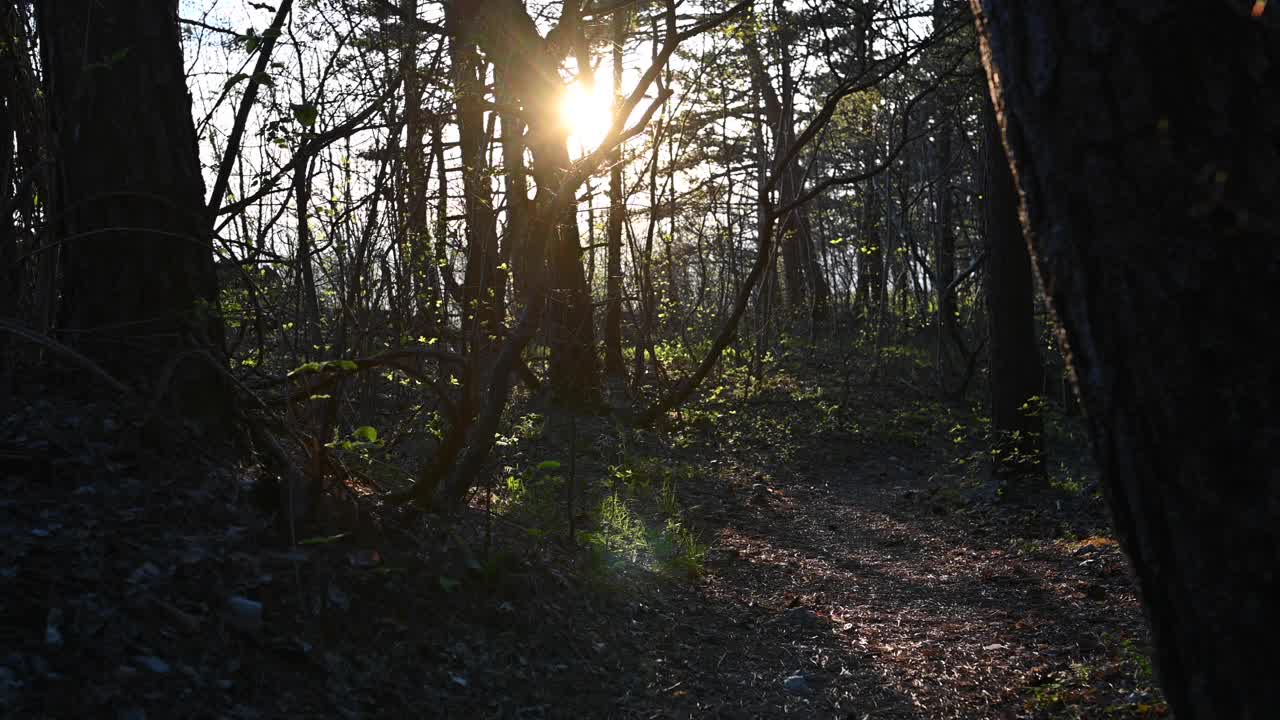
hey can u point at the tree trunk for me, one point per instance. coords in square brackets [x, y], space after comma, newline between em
[1145, 138]
[482, 285]
[9, 276]
[516, 247]
[138, 286]
[870, 255]
[613, 287]
[419, 281]
[1016, 422]
[511, 40]
[308, 295]
[805, 285]
[944, 228]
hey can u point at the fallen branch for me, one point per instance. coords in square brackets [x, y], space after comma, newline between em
[62, 350]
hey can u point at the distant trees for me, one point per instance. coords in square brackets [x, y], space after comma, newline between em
[396, 183]
[613, 362]
[138, 291]
[1145, 139]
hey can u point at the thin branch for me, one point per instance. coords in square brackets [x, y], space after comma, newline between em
[58, 348]
[267, 44]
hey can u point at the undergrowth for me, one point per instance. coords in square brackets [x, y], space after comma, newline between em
[629, 520]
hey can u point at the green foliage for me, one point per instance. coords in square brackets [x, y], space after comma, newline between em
[528, 428]
[1064, 480]
[907, 357]
[305, 113]
[360, 441]
[916, 425]
[629, 520]
[623, 538]
[1089, 690]
[326, 366]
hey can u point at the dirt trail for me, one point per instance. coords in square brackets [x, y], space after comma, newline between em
[843, 580]
[864, 596]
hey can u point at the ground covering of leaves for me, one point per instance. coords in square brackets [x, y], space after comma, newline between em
[846, 565]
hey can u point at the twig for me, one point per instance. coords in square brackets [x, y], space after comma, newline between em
[60, 349]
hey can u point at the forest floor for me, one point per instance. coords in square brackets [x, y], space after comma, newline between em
[821, 547]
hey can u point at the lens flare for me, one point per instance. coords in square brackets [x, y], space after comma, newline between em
[587, 111]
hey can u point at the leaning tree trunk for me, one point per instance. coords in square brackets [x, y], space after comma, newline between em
[1145, 136]
[138, 285]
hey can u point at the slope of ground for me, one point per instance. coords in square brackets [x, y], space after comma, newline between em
[839, 563]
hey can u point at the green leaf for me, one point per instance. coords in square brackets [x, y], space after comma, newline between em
[304, 368]
[305, 114]
[449, 584]
[364, 433]
[265, 79]
[548, 465]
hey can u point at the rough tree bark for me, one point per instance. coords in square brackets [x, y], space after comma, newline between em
[1015, 369]
[1145, 138]
[139, 292]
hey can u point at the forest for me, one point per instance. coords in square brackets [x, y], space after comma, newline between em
[639, 359]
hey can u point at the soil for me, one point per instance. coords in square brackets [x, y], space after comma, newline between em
[850, 573]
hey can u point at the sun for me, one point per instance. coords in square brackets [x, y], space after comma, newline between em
[587, 111]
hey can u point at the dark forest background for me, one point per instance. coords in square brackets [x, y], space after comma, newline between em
[605, 305]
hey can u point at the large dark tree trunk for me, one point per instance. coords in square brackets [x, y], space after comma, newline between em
[1145, 136]
[1016, 422]
[138, 285]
